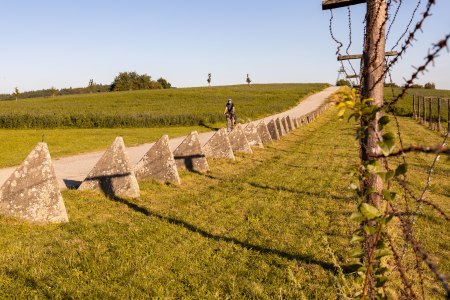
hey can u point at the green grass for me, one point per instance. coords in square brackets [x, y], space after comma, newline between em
[253, 228]
[17, 143]
[153, 108]
[404, 106]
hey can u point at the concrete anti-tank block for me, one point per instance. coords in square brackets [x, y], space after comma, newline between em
[113, 174]
[253, 138]
[238, 140]
[264, 133]
[32, 193]
[273, 130]
[158, 163]
[219, 146]
[189, 154]
[280, 127]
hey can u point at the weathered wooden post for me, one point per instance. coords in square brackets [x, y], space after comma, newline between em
[439, 114]
[424, 107]
[418, 108]
[430, 106]
[414, 106]
[448, 116]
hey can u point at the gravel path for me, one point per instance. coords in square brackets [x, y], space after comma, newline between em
[73, 169]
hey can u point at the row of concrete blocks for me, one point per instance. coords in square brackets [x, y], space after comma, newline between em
[32, 192]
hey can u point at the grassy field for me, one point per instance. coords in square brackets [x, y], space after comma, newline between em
[404, 106]
[17, 143]
[267, 226]
[152, 108]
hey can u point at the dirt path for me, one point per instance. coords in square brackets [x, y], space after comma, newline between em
[73, 169]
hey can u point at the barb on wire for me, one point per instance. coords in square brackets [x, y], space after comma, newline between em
[394, 18]
[422, 149]
[406, 44]
[432, 54]
[339, 44]
[407, 27]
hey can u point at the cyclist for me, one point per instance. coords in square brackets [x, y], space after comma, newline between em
[230, 112]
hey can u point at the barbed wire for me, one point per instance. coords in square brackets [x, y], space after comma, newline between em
[394, 19]
[350, 38]
[409, 24]
[432, 54]
[406, 44]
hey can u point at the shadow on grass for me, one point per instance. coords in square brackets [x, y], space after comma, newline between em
[295, 191]
[297, 257]
[203, 124]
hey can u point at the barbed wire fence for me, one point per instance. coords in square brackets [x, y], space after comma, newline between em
[410, 275]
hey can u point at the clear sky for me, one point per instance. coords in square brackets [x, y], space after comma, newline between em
[65, 43]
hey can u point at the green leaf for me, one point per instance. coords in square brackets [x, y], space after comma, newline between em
[380, 271]
[382, 253]
[357, 253]
[389, 175]
[381, 281]
[388, 195]
[371, 229]
[356, 239]
[388, 143]
[402, 169]
[369, 211]
[356, 216]
[383, 121]
[374, 167]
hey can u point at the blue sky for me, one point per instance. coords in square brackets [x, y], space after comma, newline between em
[65, 43]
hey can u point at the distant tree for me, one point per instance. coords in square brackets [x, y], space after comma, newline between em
[209, 79]
[164, 83]
[16, 92]
[343, 82]
[130, 81]
[430, 86]
[417, 86]
[391, 85]
[91, 85]
[53, 91]
[248, 80]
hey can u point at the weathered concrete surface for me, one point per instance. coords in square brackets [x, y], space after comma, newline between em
[289, 123]
[158, 163]
[189, 154]
[273, 130]
[219, 146]
[253, 138]
[284, 123]
[113, 174]
[238, 140]
[32, 193]
[295, 122]
[264, 133]
[280, 127]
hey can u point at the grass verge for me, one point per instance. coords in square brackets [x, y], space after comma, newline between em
[253, 228]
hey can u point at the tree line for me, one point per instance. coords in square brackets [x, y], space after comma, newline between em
[124, 81]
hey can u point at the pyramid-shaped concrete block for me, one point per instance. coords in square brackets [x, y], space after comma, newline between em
[280, 127]
[219, 146]
[284, 123]
[253, 138]
[158, 163]
[295, 122]
[289, 123]
[238, 140]
[273, 130]
[113, 174]
[32, 193]
[189, 154]
[264, 133]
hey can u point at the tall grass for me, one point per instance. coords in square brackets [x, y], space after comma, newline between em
[152, 108]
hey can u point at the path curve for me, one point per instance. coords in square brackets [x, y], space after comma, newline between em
[75, 168]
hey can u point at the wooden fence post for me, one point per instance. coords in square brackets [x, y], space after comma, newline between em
[430, 106]
[439, 114]
[424, 107]
[418, 108]
[414, 106]
[448, 116]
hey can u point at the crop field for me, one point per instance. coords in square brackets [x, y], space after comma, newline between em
[272, 225]
[152, 108]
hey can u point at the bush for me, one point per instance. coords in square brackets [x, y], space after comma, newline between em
[430, 86]
[343, 82]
